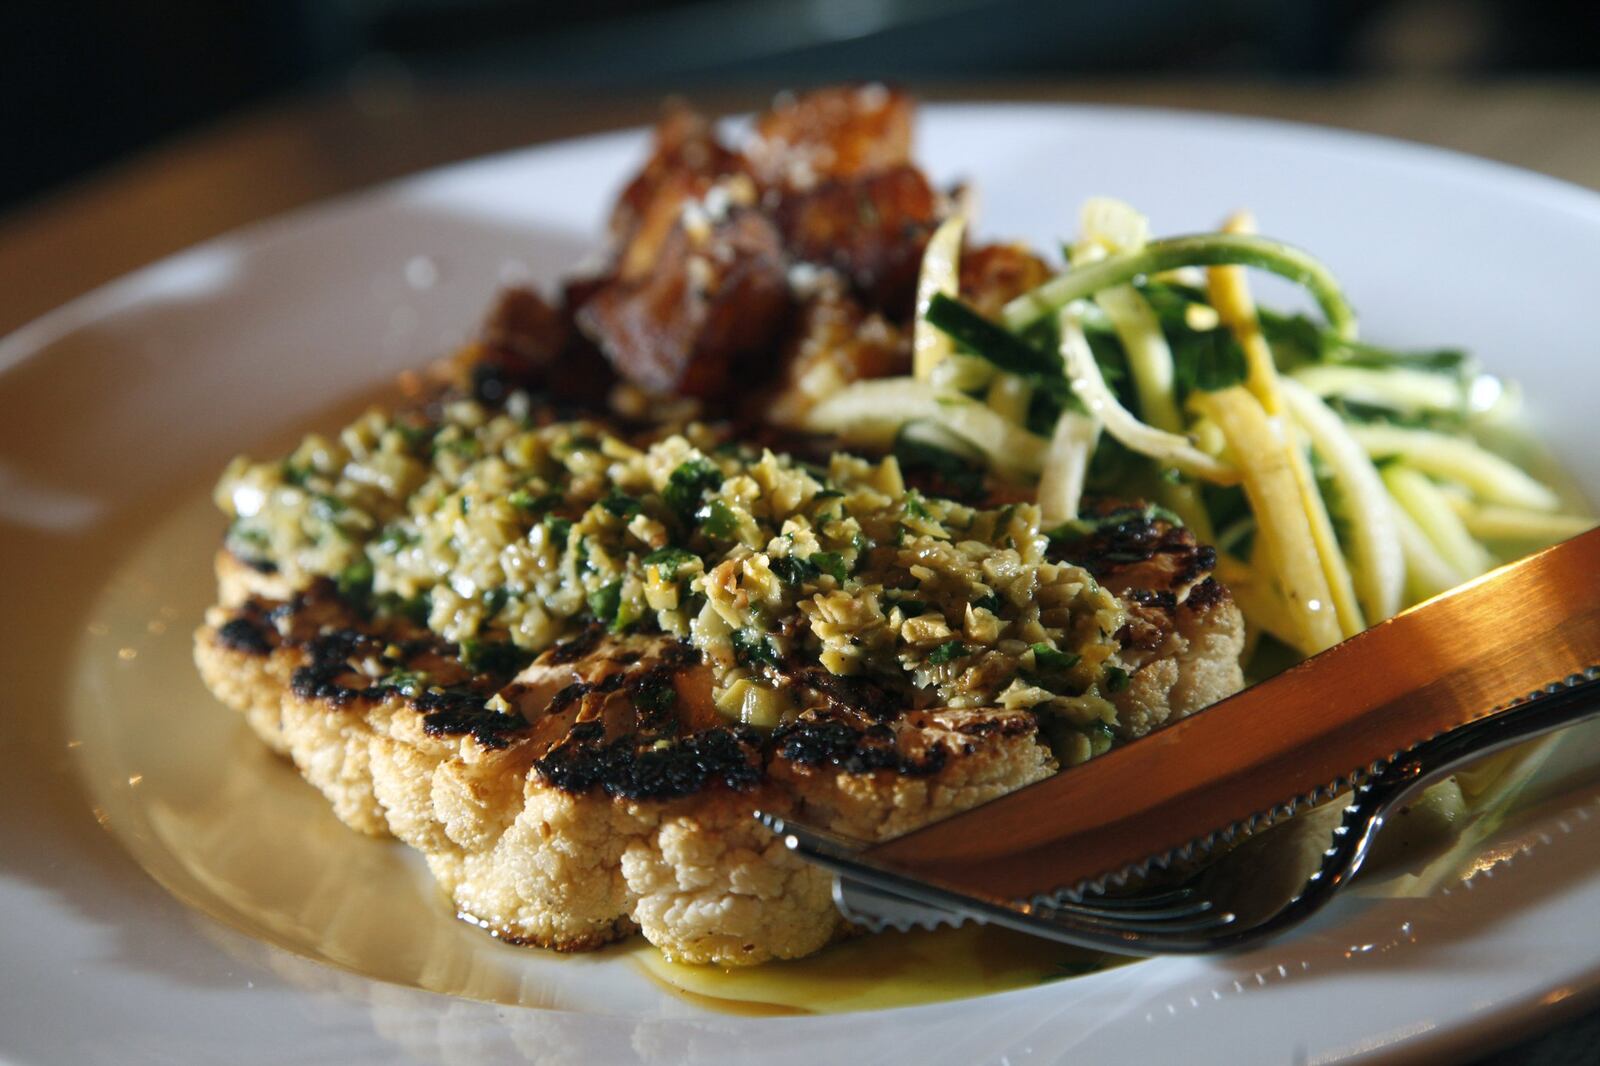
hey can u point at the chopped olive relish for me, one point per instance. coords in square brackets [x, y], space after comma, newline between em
[503, 535]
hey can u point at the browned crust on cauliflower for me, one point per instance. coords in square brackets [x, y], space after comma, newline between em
[583, 813]
[1183, 635]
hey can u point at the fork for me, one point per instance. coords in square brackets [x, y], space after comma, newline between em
[1201, 914]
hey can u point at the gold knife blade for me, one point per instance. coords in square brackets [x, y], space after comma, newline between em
[1301, 735]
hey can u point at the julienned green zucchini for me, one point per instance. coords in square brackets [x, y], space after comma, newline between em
[1209, 249]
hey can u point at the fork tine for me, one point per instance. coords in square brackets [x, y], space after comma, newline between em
[1131, 914]
[883, 899]
[1167, 904]
[1209, 921]
[1141, 900]
[872, 892]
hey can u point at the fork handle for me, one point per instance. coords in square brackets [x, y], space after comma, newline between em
[1556, 706]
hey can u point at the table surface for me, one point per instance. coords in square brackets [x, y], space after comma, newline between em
[307, 149]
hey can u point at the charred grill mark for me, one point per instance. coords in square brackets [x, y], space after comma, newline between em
[653, 757]
[330, 660]
[1158, 598]
[570, 651]
[1009, 726]
[471, 718]
[817, 742]
[442, 701]
[284, 611]
[1128, 537]
[1121, 543]
[246, 635]
[320, 681]
[1144, 629]
[636, 767]
[337, 644]
[679, 654]
[329, 676]
[860, 695]
[573, 693]
[653, 697]
[1202, 560]
[1206, 594]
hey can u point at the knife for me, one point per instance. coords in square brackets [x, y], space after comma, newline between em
[1301, 737]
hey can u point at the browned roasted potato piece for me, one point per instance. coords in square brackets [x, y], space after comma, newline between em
[839, 132]
[871, 229]
[994, 274]
[710, 297]
[525, 328]
[639, 254]
[835, 341]
[528, 343]
[685, 155]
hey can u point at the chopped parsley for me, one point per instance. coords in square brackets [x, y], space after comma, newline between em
[419, 439]
[495, 599]
[606, 602]
[667, 561]
[243, 534]
[524, 500]
[792, 570]
[1100, 738]
[395, 537]
[355, 581]
[717, 520]
[409, 682]
[1052, 660]
[830, 563]
[948, 652]
[752, 649]
[990, 603]
[326, 507]
[910, 606]
[621, 504]
[464, 447]
[416, 609]
[558, 527]
[296, 474]
[688, 483]
[499, 657]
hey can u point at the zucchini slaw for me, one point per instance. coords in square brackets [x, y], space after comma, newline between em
[1340, 481]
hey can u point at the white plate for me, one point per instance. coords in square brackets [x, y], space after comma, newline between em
[117, 410]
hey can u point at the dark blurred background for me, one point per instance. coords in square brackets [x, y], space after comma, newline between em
[87, 81]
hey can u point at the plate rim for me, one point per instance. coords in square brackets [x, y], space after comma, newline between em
[28, 339]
